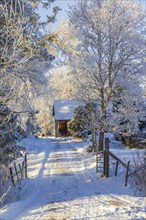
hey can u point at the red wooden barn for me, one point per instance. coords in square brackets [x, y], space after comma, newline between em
[63, 112]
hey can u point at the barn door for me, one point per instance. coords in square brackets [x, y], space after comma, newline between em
[63, 128]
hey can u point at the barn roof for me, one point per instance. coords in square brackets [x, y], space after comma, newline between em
[64, 109]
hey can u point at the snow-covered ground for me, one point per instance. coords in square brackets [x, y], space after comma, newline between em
[63, 184]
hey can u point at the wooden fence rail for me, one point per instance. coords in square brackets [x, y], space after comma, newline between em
[107, 154]
[18, 171]
[118, 162]
[116, 158]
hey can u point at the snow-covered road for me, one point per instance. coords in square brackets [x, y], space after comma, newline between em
[62, 184]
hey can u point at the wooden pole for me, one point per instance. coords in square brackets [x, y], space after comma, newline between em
[23, 169]
[12, 177]
[106, 158]
[96, 152]
[16, 171]
[25, 165]
[127, 170]
[105, 165]
[116, 170]
[106, 143]
[96, 158]
[101, 140]
[20, 169]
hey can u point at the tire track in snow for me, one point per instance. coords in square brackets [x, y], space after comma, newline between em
[57, 180]
[71, 191]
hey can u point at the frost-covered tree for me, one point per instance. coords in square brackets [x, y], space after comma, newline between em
[76, 126]
[86, 119]
[26, 49]
[112, 48]
[10, 132]
[32, 126]
[62, 84]
[128, 106]
[22, 54]
[44, 117]
[26, 53]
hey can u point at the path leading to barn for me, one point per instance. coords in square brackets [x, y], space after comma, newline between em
[62, 184]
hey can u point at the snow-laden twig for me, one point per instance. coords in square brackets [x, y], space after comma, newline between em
[4, 195]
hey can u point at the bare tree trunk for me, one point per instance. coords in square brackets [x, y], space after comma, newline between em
[93, 140]
[101, 141]
[101, 135]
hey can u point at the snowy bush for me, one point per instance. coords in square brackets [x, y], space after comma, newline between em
[138, 174]
[137, 140]
[10, 132]
[32, 126]
[76, 126]
[85, 120]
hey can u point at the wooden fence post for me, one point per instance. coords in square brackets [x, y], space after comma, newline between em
[21, 169]
[96, 158]
[116, 170]
[16, 171]
[25, 165]
[12, 177]
[106, 158]
[127, 170]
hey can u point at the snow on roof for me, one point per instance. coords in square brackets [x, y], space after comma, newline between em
[64, 109]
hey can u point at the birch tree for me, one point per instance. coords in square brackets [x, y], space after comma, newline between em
[112, 48]
[26, 50]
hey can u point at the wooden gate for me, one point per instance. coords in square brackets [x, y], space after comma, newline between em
[106, 154]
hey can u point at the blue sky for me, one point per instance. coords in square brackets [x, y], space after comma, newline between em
[63, 4]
